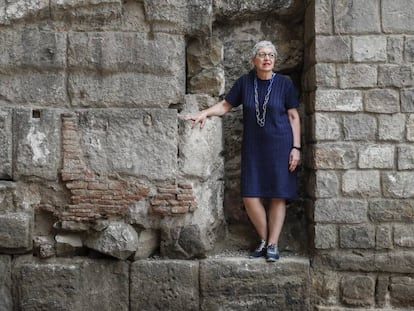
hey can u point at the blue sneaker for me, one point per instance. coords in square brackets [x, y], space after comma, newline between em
[260, 251]
[272, 253]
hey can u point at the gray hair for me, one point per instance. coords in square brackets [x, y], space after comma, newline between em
[263, 44]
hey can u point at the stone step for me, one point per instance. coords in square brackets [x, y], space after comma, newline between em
[214, 283]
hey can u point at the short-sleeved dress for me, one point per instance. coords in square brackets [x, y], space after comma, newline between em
[265, 153]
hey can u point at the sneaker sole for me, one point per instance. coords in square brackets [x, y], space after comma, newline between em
[271, 259]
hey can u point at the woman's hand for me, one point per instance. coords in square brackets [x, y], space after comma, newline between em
[294, 159]
[200, 117]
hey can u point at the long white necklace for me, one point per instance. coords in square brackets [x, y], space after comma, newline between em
[261, 120]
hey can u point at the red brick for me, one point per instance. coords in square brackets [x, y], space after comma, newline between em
[116, 185]
[185, 186]
[165, 196]
[160, 210]
[158, 203]
[167, 190]
[185, 197]
[71, 176]
[97, 186]
[179, 210]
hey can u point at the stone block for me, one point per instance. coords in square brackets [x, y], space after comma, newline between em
[325, 185]
[395, 76]
[357, 76]
[410, 127]
[323, 17]
[326, 236]
[203, 54]
[376, 156]
[407, 100]
[16, 10]
[358, 290]
[402, 291]
[181, 16]
[44, 89]
[369, 48]
[404, 236]
[6, 143]
[42, 50]
[409, 49]
[405, 160]
[325, 287]
[357, 236]
[209, 81]
[37, 143]
[331, 49]
[360, 127]
[6, 301]
[71, 284]
[391, 127]
[7, 198]
[164, 285]
[148, 243]
[398, 185]
[383, 237]
[117, 141]
[357, 17]
[325, 75]
[395, 49]
[382, 101]
[16, 230]
[391, 210]
[328, 126]
[397, 16]
[250, 282]
[361, 183]
[382, 291]
[335, 156]
[340, 211]
[338, 100]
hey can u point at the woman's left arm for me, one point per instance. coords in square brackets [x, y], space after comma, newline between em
[294, 119]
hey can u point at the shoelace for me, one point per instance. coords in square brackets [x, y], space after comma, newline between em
[261, 246]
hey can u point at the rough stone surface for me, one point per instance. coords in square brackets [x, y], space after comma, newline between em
[369, 48]
[6, 301]
[396, 16]
[6, 143]
[16, 231]
[249, 280]
[405, 157]
[398, 185]
[361, 183]
[326, 236]
[402, 291]
[164, 285]
[333, 49]
[383, 237]
[382, 101]
[404, 236]
[340, 211]
[357, 76]
[391, 127]
[407, 100]
[335, 156]
[357, 236]
[148, 242]
[71, 284]
[118, 240]
[338, 100]
[384, 210]
[360, 127]
[376, 156]
[358, 290]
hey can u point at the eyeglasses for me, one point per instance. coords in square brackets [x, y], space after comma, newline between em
[263, 55]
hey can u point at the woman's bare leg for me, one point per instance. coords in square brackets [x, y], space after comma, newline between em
[277, 213]
[257, 214]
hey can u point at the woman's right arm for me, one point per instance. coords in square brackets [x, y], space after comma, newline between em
[219, 109]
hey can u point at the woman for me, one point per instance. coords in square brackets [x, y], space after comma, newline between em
[271, 144]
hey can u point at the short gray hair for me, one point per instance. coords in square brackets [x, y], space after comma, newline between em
[263, 44]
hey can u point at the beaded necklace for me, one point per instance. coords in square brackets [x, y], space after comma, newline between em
[261, 120]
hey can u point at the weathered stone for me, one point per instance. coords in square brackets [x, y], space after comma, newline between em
[410, 127]
[402, 291]
[117, 141]
[391, 210]
[395, 49]
[6, 143]
[361, 183]
[382, 291]
[37, 141]
[44, 89]
[164, 285]
[331, 49]
[325, 289]
[203, 54]
[382, 101]
[325, 75]
[7, 203]
[118, 240]
[335, 156]
[338, 100]
[6, 301]
[44, 246]
[148, 243]
[398, 184]
[357, 75]
[22, 9]
[71, 284]
[208, 81]
[357, 236]
[16, 231]
[391, 127]
[327, 126]
[404, 235]
[104, 10]
[323, 17]
[324, 184]
[32, 48]
[358, 290]
[405, 157]
[369, 48]
[326, 236]
[395, 76]
[376, 156]
[359, 17]
[251, 283]
[407, 100]
[397, 16]
[340, 211]
[383, 237]
[67, 244]
[360, 127]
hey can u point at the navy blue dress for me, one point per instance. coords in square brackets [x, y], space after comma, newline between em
[265, 153]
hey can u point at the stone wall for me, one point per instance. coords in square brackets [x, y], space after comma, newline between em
[358, 79]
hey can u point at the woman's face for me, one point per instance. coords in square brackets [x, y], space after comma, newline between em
[264, 60]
